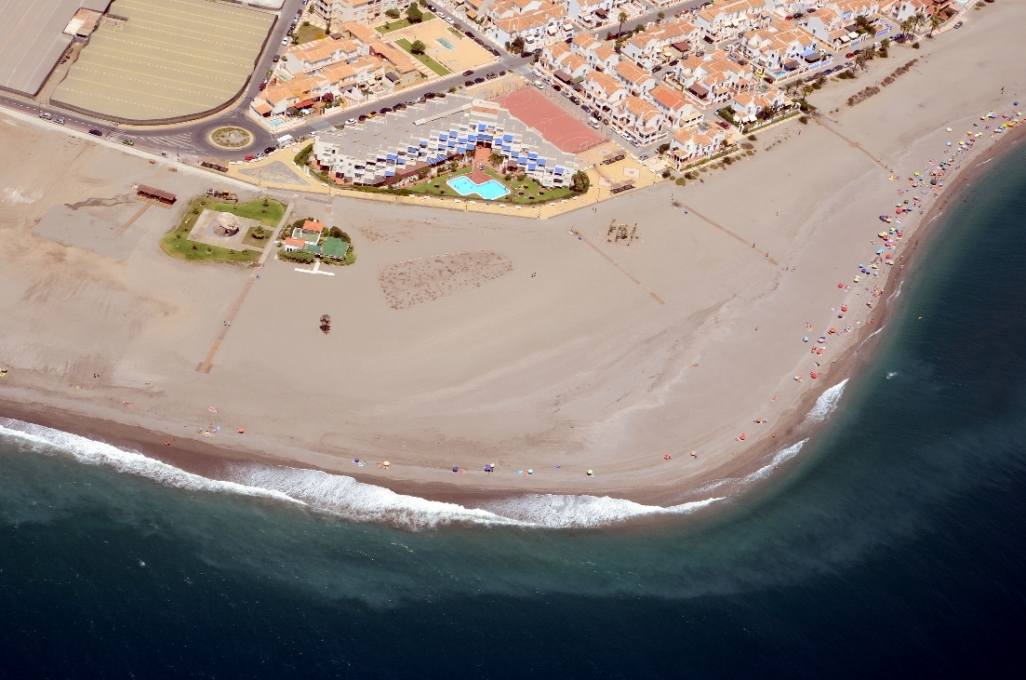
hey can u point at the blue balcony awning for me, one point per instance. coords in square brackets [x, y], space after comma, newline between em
[507, 138]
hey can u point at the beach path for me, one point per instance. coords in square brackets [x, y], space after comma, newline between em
[208, 362]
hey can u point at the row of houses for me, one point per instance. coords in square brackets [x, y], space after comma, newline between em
[352, 66]
[433, 133]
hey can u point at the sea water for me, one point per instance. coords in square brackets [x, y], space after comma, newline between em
[893, 544]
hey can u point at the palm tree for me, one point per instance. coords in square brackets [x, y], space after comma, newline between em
[935, 21]
[919, 20]
[621, 18]
[906, 27]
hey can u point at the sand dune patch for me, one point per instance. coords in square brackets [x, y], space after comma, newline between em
[428, 278]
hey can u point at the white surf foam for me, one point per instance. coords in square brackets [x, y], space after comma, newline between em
[344, 496]
[579, 512]
[827, 403]
[97, 453]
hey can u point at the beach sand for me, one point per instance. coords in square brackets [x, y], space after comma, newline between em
[466, 339]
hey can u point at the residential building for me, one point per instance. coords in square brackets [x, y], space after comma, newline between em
[537, 22]
[594, 13]
[675, 107]
[336, 12]
[600, 55]
[638, 81]
[603, 91]
[652, 47]
[728, 21]
[639, 119]
[779, 50]
[691, 146]
[712, 79]
[458, 125]
[748, 105]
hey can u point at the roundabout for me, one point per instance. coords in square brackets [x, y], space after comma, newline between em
[231, 137]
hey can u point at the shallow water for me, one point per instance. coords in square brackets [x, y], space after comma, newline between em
[895, 544]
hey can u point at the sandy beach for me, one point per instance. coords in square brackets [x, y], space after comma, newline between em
[462, 340]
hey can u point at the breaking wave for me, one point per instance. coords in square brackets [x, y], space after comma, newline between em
[347, 498]
[827, 403]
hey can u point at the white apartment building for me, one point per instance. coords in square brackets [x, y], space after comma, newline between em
[337, 12]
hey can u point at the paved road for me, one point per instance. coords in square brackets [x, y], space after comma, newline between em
[189, 141]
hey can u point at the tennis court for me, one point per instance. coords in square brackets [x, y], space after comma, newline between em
[555, 125]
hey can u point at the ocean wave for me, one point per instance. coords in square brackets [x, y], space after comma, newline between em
[581, 512]
[97, 453]
[827, 403]
[345, 497]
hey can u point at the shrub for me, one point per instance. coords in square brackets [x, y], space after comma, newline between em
[681, 181]
[915, 45]
[580, 182]
[417, 47]
[301, 256]
[303, 156]
[752, 138]
[804, 120]
[663, 148]
[259, 233]
[392, 14]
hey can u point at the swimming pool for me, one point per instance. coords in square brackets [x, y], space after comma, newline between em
[489, 191]
[446, 44]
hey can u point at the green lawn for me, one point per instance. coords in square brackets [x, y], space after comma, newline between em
[177, 244]
[269, 215]
[423, 58]
[396, 24]
[528, 186]
[305, 34]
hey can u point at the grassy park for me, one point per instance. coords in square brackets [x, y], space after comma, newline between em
[423, 58]
[308, 33]
[176, 242]
[398, 24]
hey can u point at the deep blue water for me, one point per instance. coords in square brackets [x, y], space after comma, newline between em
[895, 547]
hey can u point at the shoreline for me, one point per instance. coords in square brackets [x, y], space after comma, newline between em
[211, 460]
[41, 403]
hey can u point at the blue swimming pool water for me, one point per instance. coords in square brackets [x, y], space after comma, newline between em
[446, 44]
[489, 191]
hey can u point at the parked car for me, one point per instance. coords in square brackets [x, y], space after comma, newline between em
[385, 110]
[959, 24]
[723, 124]
[539, 84]
[468, 72]
[429, 95]
[270, 149]
[574, 99]
[59, 121]
[276, 58]
[657, 69]
[284, 41]
[351, 121]
[468, 83]
[492, 76]
[471, 35]
[594, 123]
[45, 116]
[849, 55]
[363, 118]
[128, 142]
[98, 133]
[479, 80]
[502, 72]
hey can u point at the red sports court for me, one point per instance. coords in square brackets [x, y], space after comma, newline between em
[556, 125]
